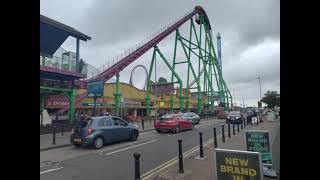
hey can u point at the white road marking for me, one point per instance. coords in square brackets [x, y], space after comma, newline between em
[131, 147]
[50, 170]
[115, 147]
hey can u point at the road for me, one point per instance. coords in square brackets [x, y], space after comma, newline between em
[116, 161]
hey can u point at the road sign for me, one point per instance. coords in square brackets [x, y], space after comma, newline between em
[259, 141]
[237, 165]
[95, 89]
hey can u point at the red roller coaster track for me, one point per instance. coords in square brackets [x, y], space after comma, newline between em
[127, 60]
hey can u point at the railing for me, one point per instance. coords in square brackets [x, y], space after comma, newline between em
[61, 63]
[116, 59]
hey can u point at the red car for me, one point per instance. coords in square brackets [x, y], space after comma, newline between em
[173, 122]
[222, 115]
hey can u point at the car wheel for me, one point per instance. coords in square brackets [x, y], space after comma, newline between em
[134, 136]
[98, 143]
[77, 145]
[158, 131]
[177, 130]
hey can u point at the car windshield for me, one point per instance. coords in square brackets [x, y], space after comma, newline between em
[166, 117]
[233, 113]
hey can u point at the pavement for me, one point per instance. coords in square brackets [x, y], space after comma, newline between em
[196, 168]
[116, 161]
[64, 140]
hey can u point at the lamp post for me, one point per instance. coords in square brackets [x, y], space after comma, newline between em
[259, 85]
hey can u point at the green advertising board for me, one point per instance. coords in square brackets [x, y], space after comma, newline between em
[259, 141]
[237, 165]
[97, 104]
[95, 89]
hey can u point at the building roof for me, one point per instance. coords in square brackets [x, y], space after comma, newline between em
[54, 33]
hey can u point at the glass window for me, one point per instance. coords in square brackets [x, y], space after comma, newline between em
[104, 122]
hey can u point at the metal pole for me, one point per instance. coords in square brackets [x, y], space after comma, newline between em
[223, 136]
[260, 86]
[180, 157]
[215, 138]
[233, 129]
[53, 134]
[229, 132]
[201, 145]
[137, 166]
[94, 105]
[62, 129]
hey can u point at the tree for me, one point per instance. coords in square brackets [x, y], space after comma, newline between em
[271, 98]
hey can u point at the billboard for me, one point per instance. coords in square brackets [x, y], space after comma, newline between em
[237, 165]
[163, 88]
[95, 89]
[259, 141]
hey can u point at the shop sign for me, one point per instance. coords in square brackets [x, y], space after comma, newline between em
[56, 100]
[97, 104]
[237, 165]
[143, 103]
[128, 103]
[259, 141]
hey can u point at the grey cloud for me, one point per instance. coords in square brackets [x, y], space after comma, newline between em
[117, 25]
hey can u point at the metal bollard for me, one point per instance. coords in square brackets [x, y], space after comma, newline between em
[215, 138]
[238, 127]
[137, 166]
[201, 145]
[180, 157]
[233, 130]
[257, 120]
[62, 129]
[53, 134]
[229, 132]
[242, 125]
[223, 137]
[142, 123]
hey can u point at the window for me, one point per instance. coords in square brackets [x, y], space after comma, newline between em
[104, 122]
[118, 122]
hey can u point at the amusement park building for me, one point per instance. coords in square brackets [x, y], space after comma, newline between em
[133, 101]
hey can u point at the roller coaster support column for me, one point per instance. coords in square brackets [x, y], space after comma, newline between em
[184, 46]
[209, 82]
[148, 84]
[72, 97]
[172, 75]
[117, 95]
[181, 98]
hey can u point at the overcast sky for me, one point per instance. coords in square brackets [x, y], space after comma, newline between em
[250, 33]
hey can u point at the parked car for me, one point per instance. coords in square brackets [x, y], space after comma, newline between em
[222, 115]
[100, 130]
[195, 118]
[173, 122]
[234, 117]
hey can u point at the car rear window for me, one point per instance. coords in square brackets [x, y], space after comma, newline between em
[166, 117]
[83, 124]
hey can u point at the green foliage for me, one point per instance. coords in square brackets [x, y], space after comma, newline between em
[271, 98]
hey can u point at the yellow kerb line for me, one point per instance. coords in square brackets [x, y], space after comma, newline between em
[173, 161]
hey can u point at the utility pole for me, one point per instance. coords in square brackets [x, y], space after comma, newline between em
[243, 102]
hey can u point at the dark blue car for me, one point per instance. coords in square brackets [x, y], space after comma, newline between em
[100, 130]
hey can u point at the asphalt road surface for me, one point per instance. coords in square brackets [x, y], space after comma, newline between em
[116, 161]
